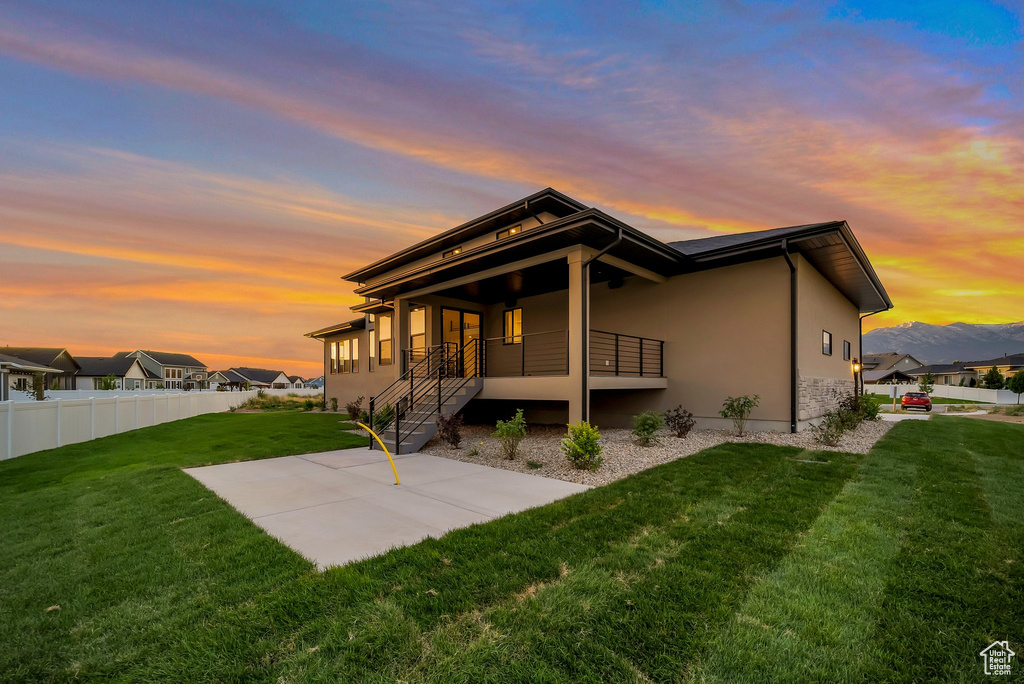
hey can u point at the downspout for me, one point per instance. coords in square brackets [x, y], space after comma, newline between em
[585, 293]
[793, 380]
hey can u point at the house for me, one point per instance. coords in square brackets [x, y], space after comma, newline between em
[315, 383]
[571, 314]
[17, 374]
[296, 381]
[1008, 365]
[259, 378]
[890, 361]
[891, 376]
[945, 373]
[217, 378]
[169, 370]
[127, 371]
[61, 363]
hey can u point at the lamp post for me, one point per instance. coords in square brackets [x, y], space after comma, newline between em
[857, 386]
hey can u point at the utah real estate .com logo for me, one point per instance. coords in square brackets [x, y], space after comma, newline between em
[997, 656]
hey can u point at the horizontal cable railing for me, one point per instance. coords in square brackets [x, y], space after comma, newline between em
[532, 354]
[626, 355]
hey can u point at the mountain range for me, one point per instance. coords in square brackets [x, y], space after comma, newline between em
[948, 343]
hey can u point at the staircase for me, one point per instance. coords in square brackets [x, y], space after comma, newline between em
[442, 383]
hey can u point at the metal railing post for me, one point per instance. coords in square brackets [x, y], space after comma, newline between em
[370, 419]
[641, 343]
[398, 436]
[661, 359]
[616, 353]
[522, 343]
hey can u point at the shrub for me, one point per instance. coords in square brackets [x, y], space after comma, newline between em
[449, 429]
[364, 418]
[510, 433]
[993, 379]
[581, 446]
[261, 394]
[108, 382]
[645, 425]
[679, 421]
[534, 465]
[473, 452]
[831, 428]
[1016, 384]
[353, 408]
[870, 407]
[309, 404]
[334, 404]
[1015, 410]
[738, 410]
[383, 417]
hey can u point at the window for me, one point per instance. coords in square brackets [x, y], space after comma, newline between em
[334, 358]
[452, 252]
[846, 350]
[384, 340]
[343, 356]
[418, 328]
[509, 232]
[354, 357]
[513, 327]
[826, 343]
[373, 346]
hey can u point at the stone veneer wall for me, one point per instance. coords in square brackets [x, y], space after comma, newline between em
[819, 395]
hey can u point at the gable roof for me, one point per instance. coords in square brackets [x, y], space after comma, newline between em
[939, 369]
[830, 247]
[887, 374]
[885, 360]
[107, 365]
[46, 356]
[1007, 360]
[258, 374]
[20, 364]
[169, 358]
[296, 378]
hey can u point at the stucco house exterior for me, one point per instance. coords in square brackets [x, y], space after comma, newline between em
[571, 314]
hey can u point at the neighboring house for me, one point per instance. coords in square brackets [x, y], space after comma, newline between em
[296, 381]
[128, 372]
[260, 377]
[17, 373]
[216, 379]
[890, 361]
[571, 314]
[1009, 365]
[892, 376]
[945, 373]
[315, 383]
[170, 370]
[61, 363]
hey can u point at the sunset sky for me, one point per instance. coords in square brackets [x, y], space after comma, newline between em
[196, 176]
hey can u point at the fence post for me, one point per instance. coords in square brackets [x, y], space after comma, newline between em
[136, 411]
[58, 420]
[10, 428]
[117, 417]
[92, 417]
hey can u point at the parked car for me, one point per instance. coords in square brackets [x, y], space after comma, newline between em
[916, 400]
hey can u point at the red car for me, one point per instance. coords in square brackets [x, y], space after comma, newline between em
[916, 400]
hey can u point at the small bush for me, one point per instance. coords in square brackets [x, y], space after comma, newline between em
[582, 448]
[534, 465]
[679, 421]
[831, 428]
[738, 410]
[1015, 410]
[353, 408]
[870, 407]
[473, 452]
[309, 404]
[383, 417]
[449, 429]
[364, 418]
[334, 404]
[645, 425]
[261, 394]
[510, 433]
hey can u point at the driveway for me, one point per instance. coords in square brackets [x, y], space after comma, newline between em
[339, 506]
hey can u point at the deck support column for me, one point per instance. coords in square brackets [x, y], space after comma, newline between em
[579, 336]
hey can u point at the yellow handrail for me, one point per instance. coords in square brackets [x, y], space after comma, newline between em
[395, 470]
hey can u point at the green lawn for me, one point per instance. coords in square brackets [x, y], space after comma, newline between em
[947, 400]
[741, 563]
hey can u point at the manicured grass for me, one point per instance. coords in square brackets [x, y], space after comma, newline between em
[947, 400]
[742, 563]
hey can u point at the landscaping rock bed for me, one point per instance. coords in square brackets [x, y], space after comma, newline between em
[540, 452]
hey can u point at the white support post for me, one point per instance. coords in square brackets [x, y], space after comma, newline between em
[10, 428]
[59, 401]
[153, 397]
[92, 417]
[136, 411]
[117, 417]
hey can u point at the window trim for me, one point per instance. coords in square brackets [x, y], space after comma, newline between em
[506, 338]
[830, 344]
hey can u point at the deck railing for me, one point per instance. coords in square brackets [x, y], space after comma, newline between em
[626, 355]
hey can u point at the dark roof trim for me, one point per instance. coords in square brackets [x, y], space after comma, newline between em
[354, 324]
[609, 224]
[434, 243]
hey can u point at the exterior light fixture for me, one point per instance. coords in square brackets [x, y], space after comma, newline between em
[856, 366]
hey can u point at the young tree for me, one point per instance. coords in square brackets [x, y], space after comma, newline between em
[926, 383]
[993, 379]
[39, 387]
[1016, 384]
[108, 382]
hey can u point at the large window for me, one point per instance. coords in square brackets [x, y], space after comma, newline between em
[384, 357]
[334, 358]
[513, 326]
[354, 354]
[826, 342]
[373, 349]
[418, 328]
[846, 350]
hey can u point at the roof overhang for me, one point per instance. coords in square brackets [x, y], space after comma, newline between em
[17, 365]
[355, 324]
[830, 247]
[591, 228]
[378, 306]
[547, 200]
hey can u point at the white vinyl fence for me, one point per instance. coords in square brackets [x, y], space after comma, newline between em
[29, 426]
[988, 396]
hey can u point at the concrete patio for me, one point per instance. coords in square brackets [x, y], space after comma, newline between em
[339, 506]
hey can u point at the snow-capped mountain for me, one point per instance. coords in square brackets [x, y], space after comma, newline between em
[948, 343]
